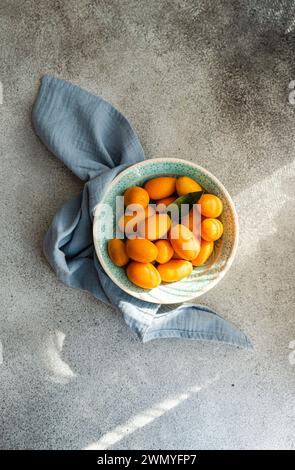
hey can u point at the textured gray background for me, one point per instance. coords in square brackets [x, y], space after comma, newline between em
[206, 81]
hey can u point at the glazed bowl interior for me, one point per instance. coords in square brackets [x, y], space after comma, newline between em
[202, 278]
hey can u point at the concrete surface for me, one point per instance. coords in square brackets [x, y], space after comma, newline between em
[206, 81]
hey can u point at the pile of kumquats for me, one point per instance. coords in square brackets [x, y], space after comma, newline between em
[153, 249]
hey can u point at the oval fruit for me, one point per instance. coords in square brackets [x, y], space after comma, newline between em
[193, 221]
[165, 251]
[205, 252]
[175, 270]
[128, 223]
[154, 227]
[211, 229]
[184, 242]
[117, 252]
[211, 205]
[143, 275]
[136, 195]
[162, 204]
[142, 250]
[185, 185]
[162, 187]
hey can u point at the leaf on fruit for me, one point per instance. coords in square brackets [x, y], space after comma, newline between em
[190, 199]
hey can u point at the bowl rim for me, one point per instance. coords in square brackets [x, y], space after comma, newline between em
[229, 260]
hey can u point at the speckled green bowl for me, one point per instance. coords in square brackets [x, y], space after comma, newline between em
[202, 278]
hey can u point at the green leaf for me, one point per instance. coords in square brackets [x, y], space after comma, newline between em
[190, 198]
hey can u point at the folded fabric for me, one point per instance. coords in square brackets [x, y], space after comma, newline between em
[96, 142]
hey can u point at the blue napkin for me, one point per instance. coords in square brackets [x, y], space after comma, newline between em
[96, 142]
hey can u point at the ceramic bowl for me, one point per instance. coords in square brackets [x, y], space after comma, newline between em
[202, 278]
